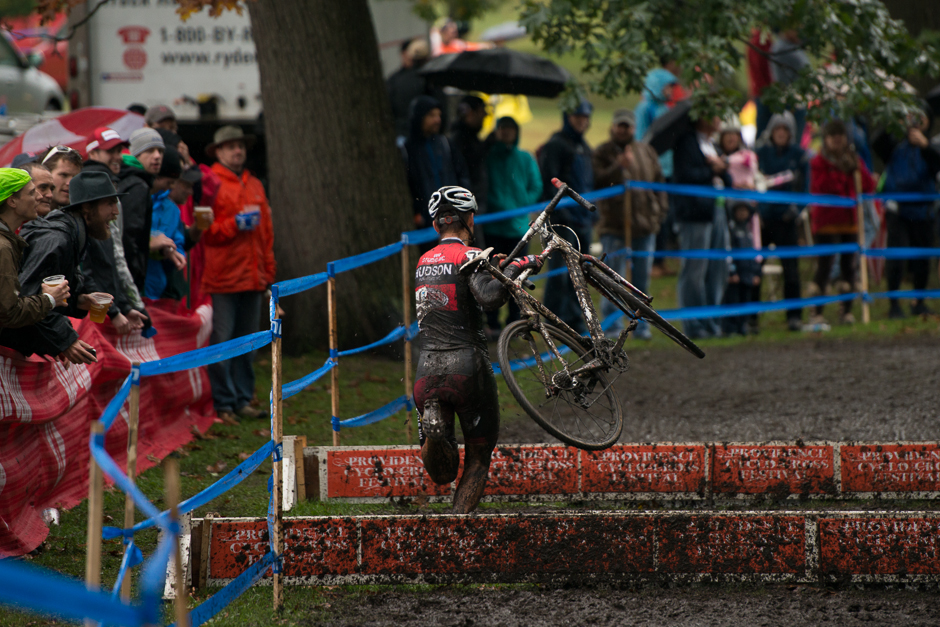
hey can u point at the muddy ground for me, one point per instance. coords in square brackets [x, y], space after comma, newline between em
[813, 389]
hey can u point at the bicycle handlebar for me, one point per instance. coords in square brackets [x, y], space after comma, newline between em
[575, 196]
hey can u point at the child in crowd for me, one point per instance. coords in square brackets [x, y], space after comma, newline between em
[745, 274]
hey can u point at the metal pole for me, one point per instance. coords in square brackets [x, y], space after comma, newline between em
[334, 347]
[276, 435]
[407, 295]
[171, 488]
[133, 420]
[95, 514]
[862, 258]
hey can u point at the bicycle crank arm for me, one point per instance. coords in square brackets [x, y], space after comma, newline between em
[595, 364]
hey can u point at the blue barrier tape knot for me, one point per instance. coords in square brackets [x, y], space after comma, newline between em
[335, 421]
[135, 375]
[866, 297]
[277, 451]
[276, 327]
[277, 565]
[334, 354]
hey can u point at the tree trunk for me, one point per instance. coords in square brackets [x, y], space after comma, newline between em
[337, 182]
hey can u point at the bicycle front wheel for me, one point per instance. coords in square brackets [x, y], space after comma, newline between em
[582, 411]
[622, 297]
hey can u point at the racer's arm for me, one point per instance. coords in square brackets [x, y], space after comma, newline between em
[489, 292]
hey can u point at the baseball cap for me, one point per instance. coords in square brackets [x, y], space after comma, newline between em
[104, 139]
[624, 116]
[158, 113]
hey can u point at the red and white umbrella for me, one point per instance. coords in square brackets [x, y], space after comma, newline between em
[72, 129]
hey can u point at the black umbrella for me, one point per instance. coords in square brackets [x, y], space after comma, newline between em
[498, 71]
[667, 128]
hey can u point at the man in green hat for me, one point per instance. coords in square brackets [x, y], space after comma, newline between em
[19, 200]
[56, 247]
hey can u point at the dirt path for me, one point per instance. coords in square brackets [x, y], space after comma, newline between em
[811, 389]
[697, 606]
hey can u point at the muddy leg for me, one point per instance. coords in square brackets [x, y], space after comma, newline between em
[476, 468]
[439, 451]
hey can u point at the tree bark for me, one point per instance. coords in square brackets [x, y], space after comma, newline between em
[337, 182]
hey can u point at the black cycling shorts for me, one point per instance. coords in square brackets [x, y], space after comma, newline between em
[463, 381]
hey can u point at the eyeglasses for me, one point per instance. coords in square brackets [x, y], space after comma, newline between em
[60, 150]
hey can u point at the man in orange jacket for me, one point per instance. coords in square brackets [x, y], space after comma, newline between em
[239, 268]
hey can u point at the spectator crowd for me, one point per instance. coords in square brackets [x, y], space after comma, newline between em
[130, 223]
[786, 154]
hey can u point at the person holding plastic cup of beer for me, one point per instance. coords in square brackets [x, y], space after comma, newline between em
[19, 202]
[55, 247]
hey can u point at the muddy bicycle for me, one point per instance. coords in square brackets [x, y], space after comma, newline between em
[561, 379]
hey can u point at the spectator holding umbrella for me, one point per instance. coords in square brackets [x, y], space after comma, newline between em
[465, 138]
[239, 248]
[567, 156]
[431, 160]
[912, 168]
[833, 171]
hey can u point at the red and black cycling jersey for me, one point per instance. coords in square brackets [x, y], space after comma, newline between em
[450, 306]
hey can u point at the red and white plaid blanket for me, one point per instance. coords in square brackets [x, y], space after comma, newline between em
[46, 411]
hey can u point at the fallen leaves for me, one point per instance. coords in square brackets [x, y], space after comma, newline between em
[264, 433]
[151, 458]
[200, 436]
[243, 456]
[217, 467]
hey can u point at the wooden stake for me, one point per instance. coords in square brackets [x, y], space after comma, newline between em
[133, 420]
[862, 258]
[407, 295]
[95, 516]
[334, 345]
[628, 232]
[278, 465]
[171, 487]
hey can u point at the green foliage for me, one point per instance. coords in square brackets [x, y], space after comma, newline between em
[620, 41]
[16, 8]
[465, 10]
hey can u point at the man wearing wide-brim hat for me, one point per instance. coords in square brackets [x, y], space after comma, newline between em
[239, 250]
[56, 245]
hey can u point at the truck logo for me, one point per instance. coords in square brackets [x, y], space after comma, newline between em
[134, 37]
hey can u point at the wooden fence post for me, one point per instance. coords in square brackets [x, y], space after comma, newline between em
[95, 514]
[407, 295]
[171, 488]
[334, 347]
[862, 258]
[133, 421]
[276, 435]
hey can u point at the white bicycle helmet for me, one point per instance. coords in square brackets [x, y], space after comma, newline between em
[453, 196]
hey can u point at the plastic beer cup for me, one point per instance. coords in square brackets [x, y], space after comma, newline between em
[99, 308]
[203, 218]
[53, 281]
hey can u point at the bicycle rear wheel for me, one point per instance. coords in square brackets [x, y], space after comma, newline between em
[582, 411]
[624, 299]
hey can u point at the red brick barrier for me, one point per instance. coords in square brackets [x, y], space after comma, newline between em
[703, 546]
[643, 471]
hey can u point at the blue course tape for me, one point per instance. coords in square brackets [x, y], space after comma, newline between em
[902, 253]
[364, 259]
[394, 336]
[302, 284]
[296, 387]
[374, 416]
[770, 198]
[120, 479]
[221, 599]
[132, 557]
[207, 355]
[47, 592]
[220, 487]
[116, 403]
[903, 197]
[152, 579]
[413, 331]
[907, 294]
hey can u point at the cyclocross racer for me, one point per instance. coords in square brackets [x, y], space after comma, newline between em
[454, 372]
